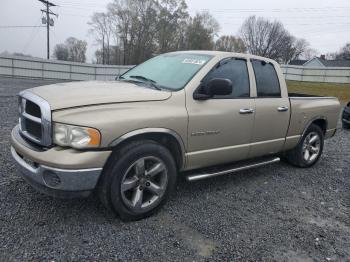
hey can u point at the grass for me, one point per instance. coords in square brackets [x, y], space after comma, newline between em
[342, 91]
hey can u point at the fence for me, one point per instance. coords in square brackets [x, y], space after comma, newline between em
[313, 74]
[27, 67]
[50, 69]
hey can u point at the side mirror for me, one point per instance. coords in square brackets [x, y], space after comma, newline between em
[215, 87]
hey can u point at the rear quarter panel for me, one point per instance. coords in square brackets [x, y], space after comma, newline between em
[305, 110]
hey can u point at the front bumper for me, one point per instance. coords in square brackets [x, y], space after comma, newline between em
[78, 180]
[58, 182]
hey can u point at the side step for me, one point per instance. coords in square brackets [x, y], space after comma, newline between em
[218, 171]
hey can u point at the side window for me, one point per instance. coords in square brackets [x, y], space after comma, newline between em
[267, 83]
[235, 70]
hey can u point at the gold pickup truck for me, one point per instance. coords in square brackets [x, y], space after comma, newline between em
[196, 114]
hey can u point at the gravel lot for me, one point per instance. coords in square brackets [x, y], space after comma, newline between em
[275, 213]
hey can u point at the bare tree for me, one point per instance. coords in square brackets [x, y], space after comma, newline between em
[270, 39]
[73, 49]
[229, 43]
[343, 53]
[295, 49]
[140, 29]
[101, 27]
[115, 55]
[76, 49]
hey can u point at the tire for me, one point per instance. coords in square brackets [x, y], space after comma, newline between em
[298, 156]
[137, 180]
[346, 125]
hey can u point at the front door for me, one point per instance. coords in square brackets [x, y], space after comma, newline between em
[220, 128]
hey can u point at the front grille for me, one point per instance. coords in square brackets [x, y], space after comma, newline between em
[33, 109]
[33, 128]
[35, 118]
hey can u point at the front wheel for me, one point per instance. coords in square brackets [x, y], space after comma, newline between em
[138, 180]
[309, 149]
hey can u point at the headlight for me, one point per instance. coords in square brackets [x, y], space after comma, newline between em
[75, 136]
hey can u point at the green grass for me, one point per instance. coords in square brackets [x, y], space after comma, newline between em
[342, 91]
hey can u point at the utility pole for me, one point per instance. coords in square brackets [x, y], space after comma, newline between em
[49, 22]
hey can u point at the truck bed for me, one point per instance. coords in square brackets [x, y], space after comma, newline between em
[302, 95]
[305, 108]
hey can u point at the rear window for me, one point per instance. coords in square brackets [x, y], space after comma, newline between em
[267, 83]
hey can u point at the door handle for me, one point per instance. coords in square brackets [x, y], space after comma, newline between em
[246, 111]
[282, 108]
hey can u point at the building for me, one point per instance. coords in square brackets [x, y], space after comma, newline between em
[321, 62]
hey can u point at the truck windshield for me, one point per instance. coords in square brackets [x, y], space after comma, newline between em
[170, 71]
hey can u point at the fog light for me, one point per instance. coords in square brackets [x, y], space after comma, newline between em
[51, 179]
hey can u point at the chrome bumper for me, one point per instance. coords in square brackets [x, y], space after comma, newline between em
[57, 182]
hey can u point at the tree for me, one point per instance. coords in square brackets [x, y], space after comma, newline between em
[200, 32]
[115, 55]
[344, 52]
[135, 30]
[73, 50]
[270, 39]
[101, 27]
[295, 49]
[60, 52]
[229, 43]
[309, 54]
[172, 18]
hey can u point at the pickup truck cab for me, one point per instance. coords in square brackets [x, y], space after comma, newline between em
[197, 114]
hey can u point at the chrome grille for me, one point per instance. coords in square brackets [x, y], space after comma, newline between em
[35, 118]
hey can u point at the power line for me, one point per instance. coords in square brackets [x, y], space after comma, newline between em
[33, 34]
[20, 26]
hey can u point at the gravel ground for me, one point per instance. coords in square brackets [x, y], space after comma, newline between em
[274, 213]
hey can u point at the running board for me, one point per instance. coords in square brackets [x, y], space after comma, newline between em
[213, 172]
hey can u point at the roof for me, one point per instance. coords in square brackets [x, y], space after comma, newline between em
[321, 62]
[226, 54]
[335, 63]
[297, 62]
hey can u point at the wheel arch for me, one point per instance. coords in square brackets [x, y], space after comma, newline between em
[320, 121]
[166, 137]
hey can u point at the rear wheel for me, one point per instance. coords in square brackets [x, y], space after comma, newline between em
[346, 125]
[309, 149]
[138, 180]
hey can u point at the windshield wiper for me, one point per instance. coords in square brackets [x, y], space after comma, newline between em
[150, 81]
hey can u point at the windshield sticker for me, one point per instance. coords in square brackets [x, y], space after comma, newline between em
[193, 61]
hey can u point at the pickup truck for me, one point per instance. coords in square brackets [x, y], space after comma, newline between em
[196, 114]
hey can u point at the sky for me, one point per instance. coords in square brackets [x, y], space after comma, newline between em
[325, 24]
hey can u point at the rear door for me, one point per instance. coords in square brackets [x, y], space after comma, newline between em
[272, 111]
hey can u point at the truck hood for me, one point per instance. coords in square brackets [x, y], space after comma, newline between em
[76, 94]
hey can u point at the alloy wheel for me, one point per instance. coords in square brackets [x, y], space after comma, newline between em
[311, 147]
[144, 184]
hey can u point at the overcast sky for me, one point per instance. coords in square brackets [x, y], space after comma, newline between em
[325, 24]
